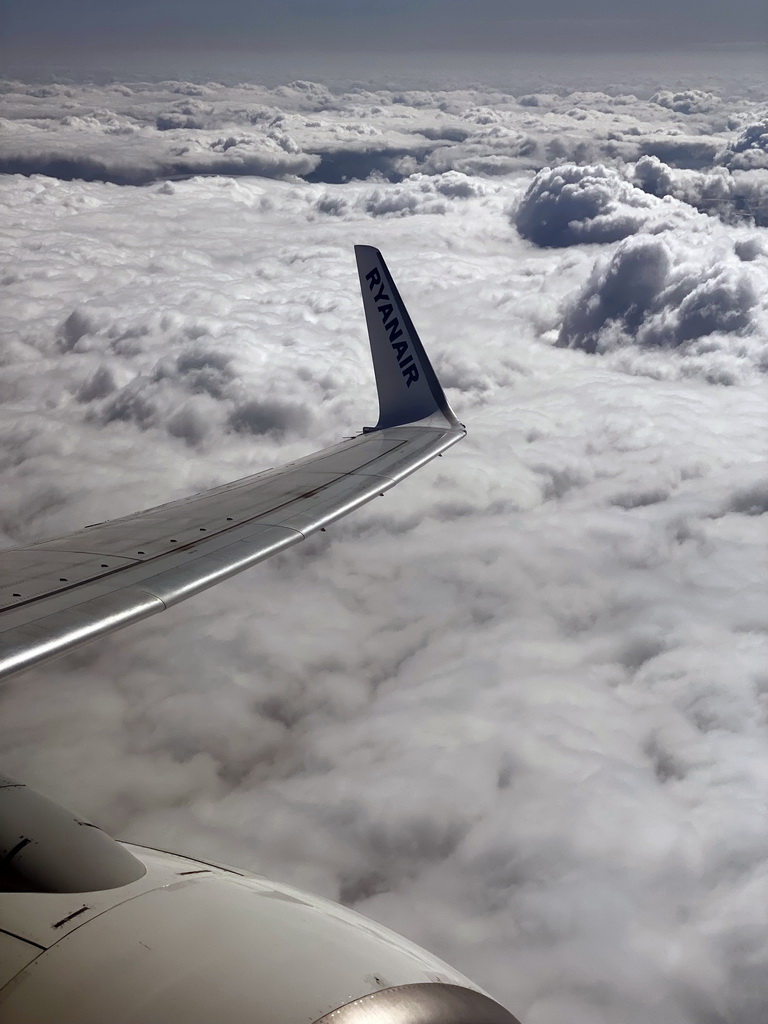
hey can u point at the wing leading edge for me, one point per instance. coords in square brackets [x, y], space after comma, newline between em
[61, 593]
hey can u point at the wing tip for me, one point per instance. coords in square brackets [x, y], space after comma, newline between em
[408, 387]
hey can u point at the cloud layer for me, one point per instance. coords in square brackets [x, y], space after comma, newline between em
[515, 710]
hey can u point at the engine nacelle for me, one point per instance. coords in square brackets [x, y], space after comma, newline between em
[179, 940]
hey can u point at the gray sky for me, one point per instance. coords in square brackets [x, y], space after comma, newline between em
[498, 25]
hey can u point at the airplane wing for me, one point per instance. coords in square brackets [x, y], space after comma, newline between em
[61, 593]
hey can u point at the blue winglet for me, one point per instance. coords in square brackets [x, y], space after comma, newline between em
[408, 386]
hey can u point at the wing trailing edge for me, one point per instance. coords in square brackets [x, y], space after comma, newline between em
[62, 593]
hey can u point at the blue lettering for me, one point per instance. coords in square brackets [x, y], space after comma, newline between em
[393, 327]
[411, 374]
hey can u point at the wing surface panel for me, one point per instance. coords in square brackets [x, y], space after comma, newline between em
[52, 614]
[147, 534]
[34, 574]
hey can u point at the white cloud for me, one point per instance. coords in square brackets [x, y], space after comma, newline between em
[750, 149]
[138, 156]
[687, 101]
[653, 292]
[732, 195]
[517, 708]
[702, 299]
[136, 133]
[570, 205]
[417, 194]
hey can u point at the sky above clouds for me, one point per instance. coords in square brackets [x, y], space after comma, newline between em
[516, 710]
[508, 26]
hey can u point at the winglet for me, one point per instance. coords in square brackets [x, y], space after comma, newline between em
[408, 387]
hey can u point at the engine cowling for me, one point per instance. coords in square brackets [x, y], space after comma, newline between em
[179, 940]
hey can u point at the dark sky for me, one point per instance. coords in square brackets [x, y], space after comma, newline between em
[496, 25]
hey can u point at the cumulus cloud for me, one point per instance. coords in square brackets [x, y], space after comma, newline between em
[732, 196]
[417, 194]
[652, 292]
[516, 708]
[264, 417]
[750, 149]
[693, 153]
[688, 101]
[406, 201]
[143, 155]
[133, 133]
[570, 205]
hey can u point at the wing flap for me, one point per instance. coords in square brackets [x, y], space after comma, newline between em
[27, 572]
